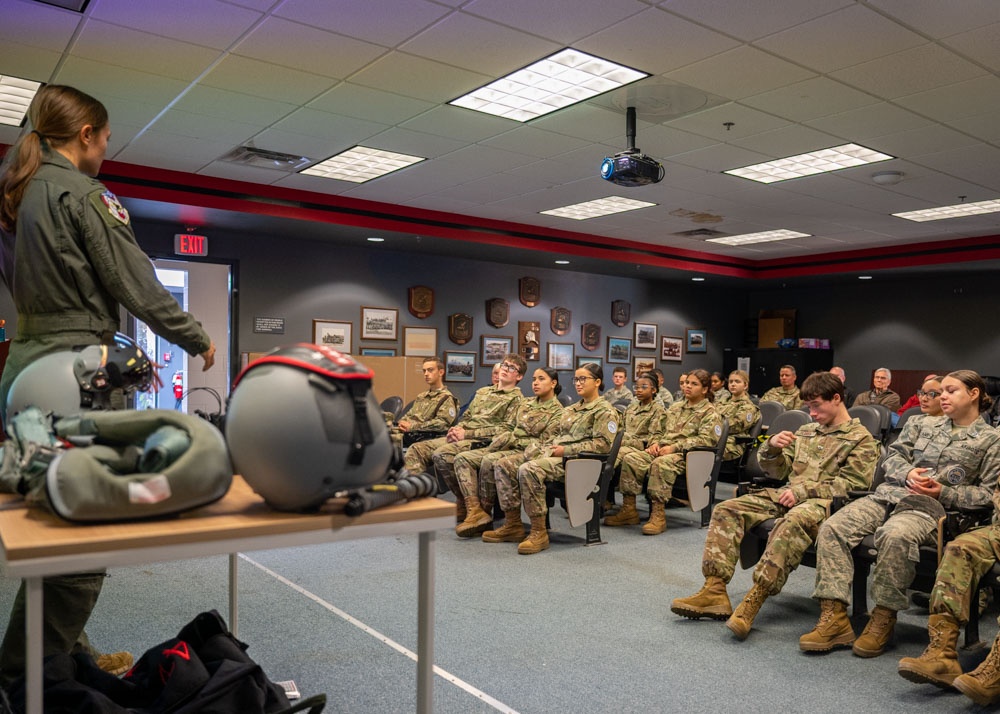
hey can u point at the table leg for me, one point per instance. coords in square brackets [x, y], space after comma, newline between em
[425, 624]
[33, 636]
[234, 595]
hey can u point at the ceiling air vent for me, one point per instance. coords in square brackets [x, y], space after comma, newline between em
[264, 159]
[701, 234]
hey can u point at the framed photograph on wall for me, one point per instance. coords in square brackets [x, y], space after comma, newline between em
[560, 355]
[379, 323]
[643, 365]
[697, 341]
[333, 334]
[645, 336]
[583, 359]
[459, 366]
[378, 351]
[672, 349]
[492, 349]
[619, 350]
[420, 341]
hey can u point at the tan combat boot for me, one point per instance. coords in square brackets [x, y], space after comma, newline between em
[832, 630]
[476, 519]
[742, 620]
[711, 601]
[982, 685]
[537, 540]
[938, 665]
[877, 633]
[657, 522]
[627, 516]
[460, 510]
[512, 531]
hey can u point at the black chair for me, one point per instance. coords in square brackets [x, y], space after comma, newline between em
[768, 412]
[885, 419]
[565, 398]
[869, 417]
[903, 418]
[732, 470]
[702, 465]
[393, 405]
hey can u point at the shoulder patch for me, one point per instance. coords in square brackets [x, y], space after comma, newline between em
[612, 427]
[718, 430]
[749, 417]
[115, 208]
[451, 411]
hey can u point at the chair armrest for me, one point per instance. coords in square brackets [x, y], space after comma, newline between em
[743, 439]
[699, 448]
[958, 521]
[480, 443]
[586, 455]
[415, 435]
[857, 493]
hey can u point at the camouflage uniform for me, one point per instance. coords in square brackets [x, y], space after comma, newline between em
[664, 398]
[722, 396]
[433, 410]
[789, 398]
[620, 394]
[642, 425]
[583, 427]
[742, 415]
[821, 463]
[966, 559]
[886, 398]
[965, 460]
[535, 423]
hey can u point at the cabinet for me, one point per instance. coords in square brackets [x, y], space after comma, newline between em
[765, 364]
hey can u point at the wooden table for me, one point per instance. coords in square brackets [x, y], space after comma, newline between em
[38, 544]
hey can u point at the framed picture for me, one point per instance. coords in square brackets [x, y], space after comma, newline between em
[619, 350]
[696, 341]
[493, 348]
[643, 365]
[583, 359]
[645, 336]
[420, 341]
[378, 352]
[334, 334]
[379, 323]
[672, 349]
[560, 355]
[459, 366]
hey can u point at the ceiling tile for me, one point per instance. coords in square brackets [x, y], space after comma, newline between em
[201, 126]
[940, 19]
[496, 188]
[787, 141]
[457, 123]
[289, 142]
[962, 99]
[28, 62]
[35, 25]
[418, 77]
[342, 131]
[105, 81]
[415, 143]
[661, 141]
[587, 121]
[981, 44]
[910, 71]
[721, 157]
[977, 163]
[218, 26]
[110, 44]
[353, 100]
[268, 81]
[562, 21]
[984, 127]
[534, 142]
[241, 172]
[923, 140]
[712, 122]
[810, 99]
[752, 20]
[202, 99]
[153, 143]
[867, 122]
[741, 72]
[386, 22]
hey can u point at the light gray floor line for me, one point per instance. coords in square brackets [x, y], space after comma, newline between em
[444, 674]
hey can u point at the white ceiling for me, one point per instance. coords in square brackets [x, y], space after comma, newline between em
[186, 81]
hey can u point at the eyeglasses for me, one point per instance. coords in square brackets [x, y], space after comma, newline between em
[581, 380]
[932, 394]
[509, 367]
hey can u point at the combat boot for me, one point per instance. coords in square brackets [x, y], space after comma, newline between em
[476, 519]
[742, 620]
[711, 601]
[626, 516]
[657, 522]
[460, 510]
[832, 630]
[982, 685]
[512, 531]
[877, 633]
[537, 540]
[938, 665]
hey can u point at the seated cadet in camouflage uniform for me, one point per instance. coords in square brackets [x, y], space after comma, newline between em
[491, 411]
[661, 396]
[587, 425]
[643, 423]
[433, 410]
[693, 422]
[787, 394]
[939, 462]
[620, 393]
[720, 395]
[536, 419]
[823, 459]
[740, 411]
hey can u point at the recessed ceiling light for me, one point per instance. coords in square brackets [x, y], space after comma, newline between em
[864, 277]
[956, 211]
[15, 97]
[375, 239]
[814, 162]
[698, 280]
[567, 77]
[596, 208]
[361, 164]
[562, 262]
[762, 237]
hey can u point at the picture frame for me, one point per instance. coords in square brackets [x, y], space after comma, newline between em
[645, 336]
[379, 323]
[697, 341]
[671, 348]
[560, 355]
[642, 365]
[493, 348]
[583, 359]
[420, 341]
[335, 334]
[619, 350]
[459, 366]
[378, 351]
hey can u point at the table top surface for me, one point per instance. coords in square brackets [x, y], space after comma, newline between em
[29, 533]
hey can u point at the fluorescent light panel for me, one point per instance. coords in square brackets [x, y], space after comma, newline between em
[956, 211]
[361, 164]
[599, 207]
[815, 162]
[567, 77]
[15, 97]
[762, 237]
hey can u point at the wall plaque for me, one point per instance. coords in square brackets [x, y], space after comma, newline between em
[560, 320]
[460, 328]
[528, 340]
[530, 291]
[497, 311]
[421, 303]
[621, 312]
[590, 336]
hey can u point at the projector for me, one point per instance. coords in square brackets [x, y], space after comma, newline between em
[630, 168]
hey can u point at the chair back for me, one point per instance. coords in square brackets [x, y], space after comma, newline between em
[869, 417]
[768, 411]
[565, 398]
[393, 405]
[789, 420]
[885, 418]
[702, 470]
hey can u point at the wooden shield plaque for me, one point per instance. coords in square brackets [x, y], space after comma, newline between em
[531, 291]
[560, 320]
[460, 328]
[590, 336]
[421, 301]
[529, 340]
[621, 312]
[497, 312]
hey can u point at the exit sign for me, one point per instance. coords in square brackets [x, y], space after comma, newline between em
[189, 244]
